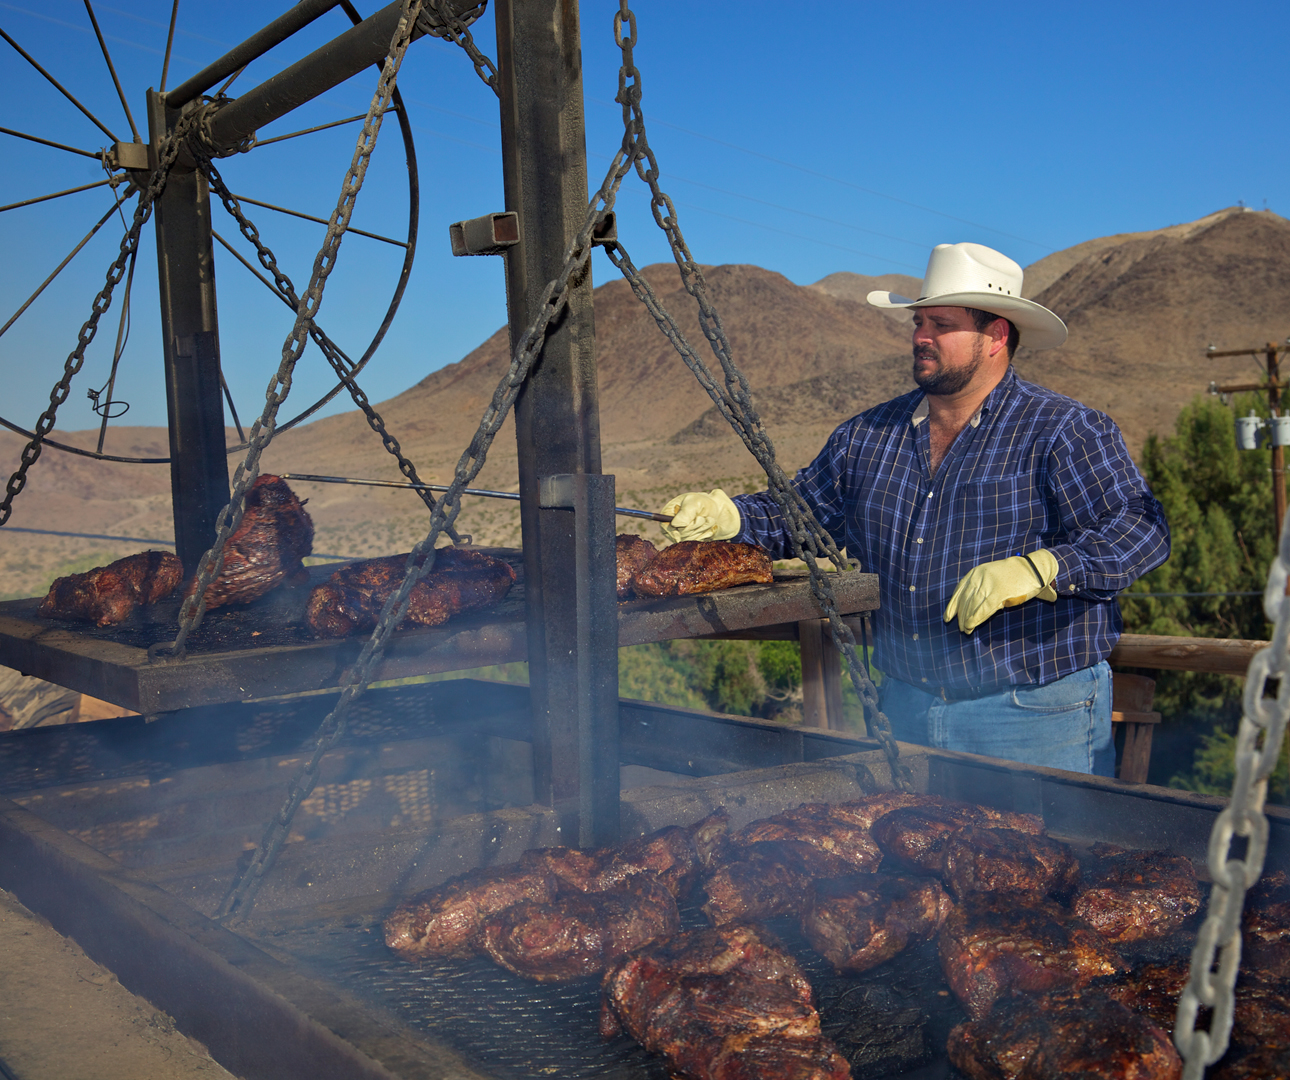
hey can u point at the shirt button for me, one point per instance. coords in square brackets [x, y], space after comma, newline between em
[915, 637]
[911, 588]
[924, 680]
[919, 540]
[929, 494]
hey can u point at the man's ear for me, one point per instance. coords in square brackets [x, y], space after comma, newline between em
[998, 331]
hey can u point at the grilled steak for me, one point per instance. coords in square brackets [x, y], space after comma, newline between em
[861, 921]
[916, 836]
[634, 553]
[1007, 861]
[702, 566]
[1130, 895]
[448, 919]
[774, 877]
[576, 934]
[108, 594]
[266, 548]
[1061, 1035]
[1152, 990]
[816, 824]
[721, 1005]
[352, 598]
[1265, 927]
[991, 944]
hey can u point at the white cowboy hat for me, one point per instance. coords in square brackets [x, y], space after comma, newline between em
[971, 275]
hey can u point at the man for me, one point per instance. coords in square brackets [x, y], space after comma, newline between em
[1001, 519]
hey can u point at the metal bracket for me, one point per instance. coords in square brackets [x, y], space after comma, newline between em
[130, 155]
[491, 234]
[605, 232]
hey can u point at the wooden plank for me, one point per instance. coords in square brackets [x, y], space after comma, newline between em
[1218, 656]
[815, 706]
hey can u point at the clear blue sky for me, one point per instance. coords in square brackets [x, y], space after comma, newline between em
[805, 138]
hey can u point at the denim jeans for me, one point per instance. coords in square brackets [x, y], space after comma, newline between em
[1062, 725]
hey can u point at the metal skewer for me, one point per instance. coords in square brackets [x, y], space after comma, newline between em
[512, 495]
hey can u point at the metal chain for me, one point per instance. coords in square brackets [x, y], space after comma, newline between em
[452, 28]
[339, 362]
[1258, 745]
[212, 562]
[168, 151]
[734, 400]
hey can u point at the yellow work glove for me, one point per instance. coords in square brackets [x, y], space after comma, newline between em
[702, 516]
[1006, 583]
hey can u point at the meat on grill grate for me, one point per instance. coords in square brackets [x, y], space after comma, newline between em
[1265, 927]
[991, 944]
[999, 860]
[461, 580]
[702, 566]
[109, 594]
[766, 879]
[1151, 989]
[576, 934]
[1265, 1063]
[1060, 1035]
[1131, 895]
[633, 555]
[816, 824]
[721, 1004]
[916, 836]
[266, 548]
[861, 921]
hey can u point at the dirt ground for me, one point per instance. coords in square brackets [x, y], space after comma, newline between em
[63, 1017]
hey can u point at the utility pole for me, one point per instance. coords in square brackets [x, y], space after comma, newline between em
[1272, 352]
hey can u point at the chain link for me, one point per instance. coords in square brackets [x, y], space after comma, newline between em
[168, 151]
[452, 28]
[212, 562]
[1258, 745]
[734, 400]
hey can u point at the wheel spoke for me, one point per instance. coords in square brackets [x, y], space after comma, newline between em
[55, 195]
[59, 268]
[229, 81]
[112, 71]
[122, 334]
[321, 221]
[170, 40]
[231, 407]
[309, 131]
[245, 262]
[59, 87]
[47, 142]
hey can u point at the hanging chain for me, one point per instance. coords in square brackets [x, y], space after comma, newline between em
[452, 28]
[734, 399]
[212, 562]
[1258, 745]
[167, 153]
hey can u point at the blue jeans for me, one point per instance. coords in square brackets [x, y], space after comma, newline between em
[1062, 725]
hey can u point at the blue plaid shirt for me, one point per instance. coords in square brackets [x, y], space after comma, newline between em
[1033, 469]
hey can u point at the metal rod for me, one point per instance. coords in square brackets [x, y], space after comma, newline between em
[170, 41]
[112, 71]
[55, 195]
[321, 221]
[79, 451]
[47, 142]
[228, 396]
[513, 496]
[122, 333]
[246, 262]
[59, 268]
[60, 87]
[229, 82]
[296, 18]
[295, 134]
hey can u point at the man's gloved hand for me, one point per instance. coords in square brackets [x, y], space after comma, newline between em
[700, 516]
[1006, 583]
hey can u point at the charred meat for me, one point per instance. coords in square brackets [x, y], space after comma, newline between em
[634, 554]
[1152, 990]
[991, 944]
[773, 877]
[1001, 860]
[1063, 1034]
[1265, 927]
[915, 837]
[817, 825]
[460, 580]
[861, 921]
[266, 548]
[577, 934]
[1131, 895]
[109, 594]
[1266, 1063]
[702, 566]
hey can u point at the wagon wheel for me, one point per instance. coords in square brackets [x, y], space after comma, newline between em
[113, 153]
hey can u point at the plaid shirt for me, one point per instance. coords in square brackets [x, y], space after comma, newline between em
[1032, 469]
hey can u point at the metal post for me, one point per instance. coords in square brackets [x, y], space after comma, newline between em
[1278, 452]
[557, 422]
[190, 349]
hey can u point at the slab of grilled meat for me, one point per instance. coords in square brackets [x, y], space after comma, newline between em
[266, 548]
[576, 934]
[990, 945]
[1131, 895]
[461, 580]
[766, 879]
[1150, 989]
[1265, 927]
[633, 554]
[721, 1004]
[702, 566]
[998, 860]
[1265, 1063]
[915, 837]
[861, 921]
[816, 824]
[1062, 1035]
[107, 595]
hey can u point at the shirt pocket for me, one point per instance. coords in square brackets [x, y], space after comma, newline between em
[994, 519]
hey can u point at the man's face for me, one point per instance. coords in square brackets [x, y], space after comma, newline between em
[948, 349]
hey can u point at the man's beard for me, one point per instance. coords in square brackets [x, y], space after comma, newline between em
[944, 382]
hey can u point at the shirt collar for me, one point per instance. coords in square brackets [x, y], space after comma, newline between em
[923, 409]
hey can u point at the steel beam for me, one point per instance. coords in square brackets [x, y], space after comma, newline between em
[557, 419]
[190, 349]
